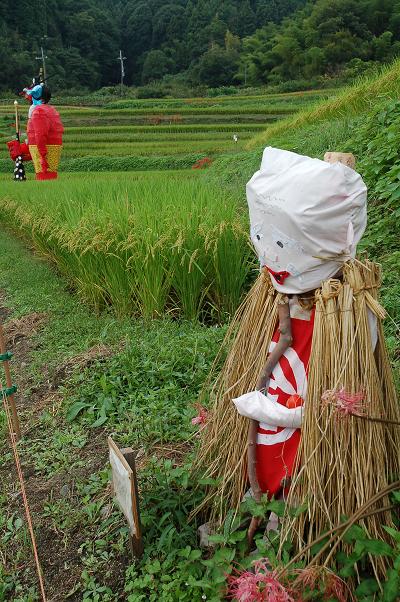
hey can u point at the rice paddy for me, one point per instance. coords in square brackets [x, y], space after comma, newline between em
[146, 244]
[154, 242]
[166, 127]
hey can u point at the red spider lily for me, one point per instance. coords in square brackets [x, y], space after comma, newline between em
[308, 577]
[337, 589]
[201, 418]
[346, 404]
[261, 585]
[202, 163]
[321, 579]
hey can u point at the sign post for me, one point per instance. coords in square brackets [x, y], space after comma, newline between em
[126, 491]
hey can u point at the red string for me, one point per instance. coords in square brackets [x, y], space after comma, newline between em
[23, 491]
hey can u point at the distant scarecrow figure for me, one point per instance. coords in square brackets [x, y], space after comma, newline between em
[45, 132]
[307, 361]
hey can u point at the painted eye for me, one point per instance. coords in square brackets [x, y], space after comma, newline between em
[279, 243]
[258, 237]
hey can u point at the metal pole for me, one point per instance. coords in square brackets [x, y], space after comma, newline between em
[17, 134]
[43, 63]
[121, 59]
[11, 400]
[43, 58]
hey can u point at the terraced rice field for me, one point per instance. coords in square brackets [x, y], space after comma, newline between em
[154, 242]
[200, 127]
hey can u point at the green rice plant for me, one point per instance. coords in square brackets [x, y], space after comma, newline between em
[145, 245]
[189, 263]
[232, 262]
[151, 137]
[183, 128]
[151, 149]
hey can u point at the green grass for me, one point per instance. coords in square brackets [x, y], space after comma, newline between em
[359, 98]
[148, 386]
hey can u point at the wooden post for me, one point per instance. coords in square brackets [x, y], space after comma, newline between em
[126, 492]
[10, 399]
[136, 541]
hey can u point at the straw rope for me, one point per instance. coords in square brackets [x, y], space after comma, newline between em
[23, 491]
[343, 463]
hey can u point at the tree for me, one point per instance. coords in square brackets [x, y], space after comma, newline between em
[314, 61]
[155, 66]
[217, 67]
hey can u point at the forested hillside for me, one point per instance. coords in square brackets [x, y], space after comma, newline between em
[210, 42]
[157, 36]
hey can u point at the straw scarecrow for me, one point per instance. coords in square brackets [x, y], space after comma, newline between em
[307, 362]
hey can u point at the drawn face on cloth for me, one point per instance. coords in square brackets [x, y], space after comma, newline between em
[306, 218]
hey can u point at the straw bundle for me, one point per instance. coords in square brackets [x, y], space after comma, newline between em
[342, 462]
[224, 443]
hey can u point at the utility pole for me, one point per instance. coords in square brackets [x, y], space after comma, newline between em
[121, 59]
[43, 57]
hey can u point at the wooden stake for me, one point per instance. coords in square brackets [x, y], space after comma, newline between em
[136, 541]
[285, 340]
[11, 400]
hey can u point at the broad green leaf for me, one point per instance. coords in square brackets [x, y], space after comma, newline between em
[75, 409]
[377, 547]
[391, 589]
[101, 420]
[367, 586]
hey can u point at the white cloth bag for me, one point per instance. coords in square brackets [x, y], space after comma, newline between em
[260, 407]
[306, 217]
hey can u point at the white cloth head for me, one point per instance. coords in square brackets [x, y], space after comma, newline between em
[306, 218]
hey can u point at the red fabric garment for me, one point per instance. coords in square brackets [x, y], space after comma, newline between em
[277, 446]
[16, 149]
[44, 127]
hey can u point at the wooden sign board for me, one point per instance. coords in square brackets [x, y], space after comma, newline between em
[125, 491]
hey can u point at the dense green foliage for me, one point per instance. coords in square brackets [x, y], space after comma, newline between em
[196, 42]
[84, 38]
[322, 39]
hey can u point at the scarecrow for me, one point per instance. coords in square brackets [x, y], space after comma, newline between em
[307, 362]
[44, 131]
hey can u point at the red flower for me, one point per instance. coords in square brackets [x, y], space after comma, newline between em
[321, 579]
[201, 418]
[345, 404]
[262, 585]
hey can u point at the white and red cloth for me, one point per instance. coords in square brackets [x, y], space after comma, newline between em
[278, 435]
